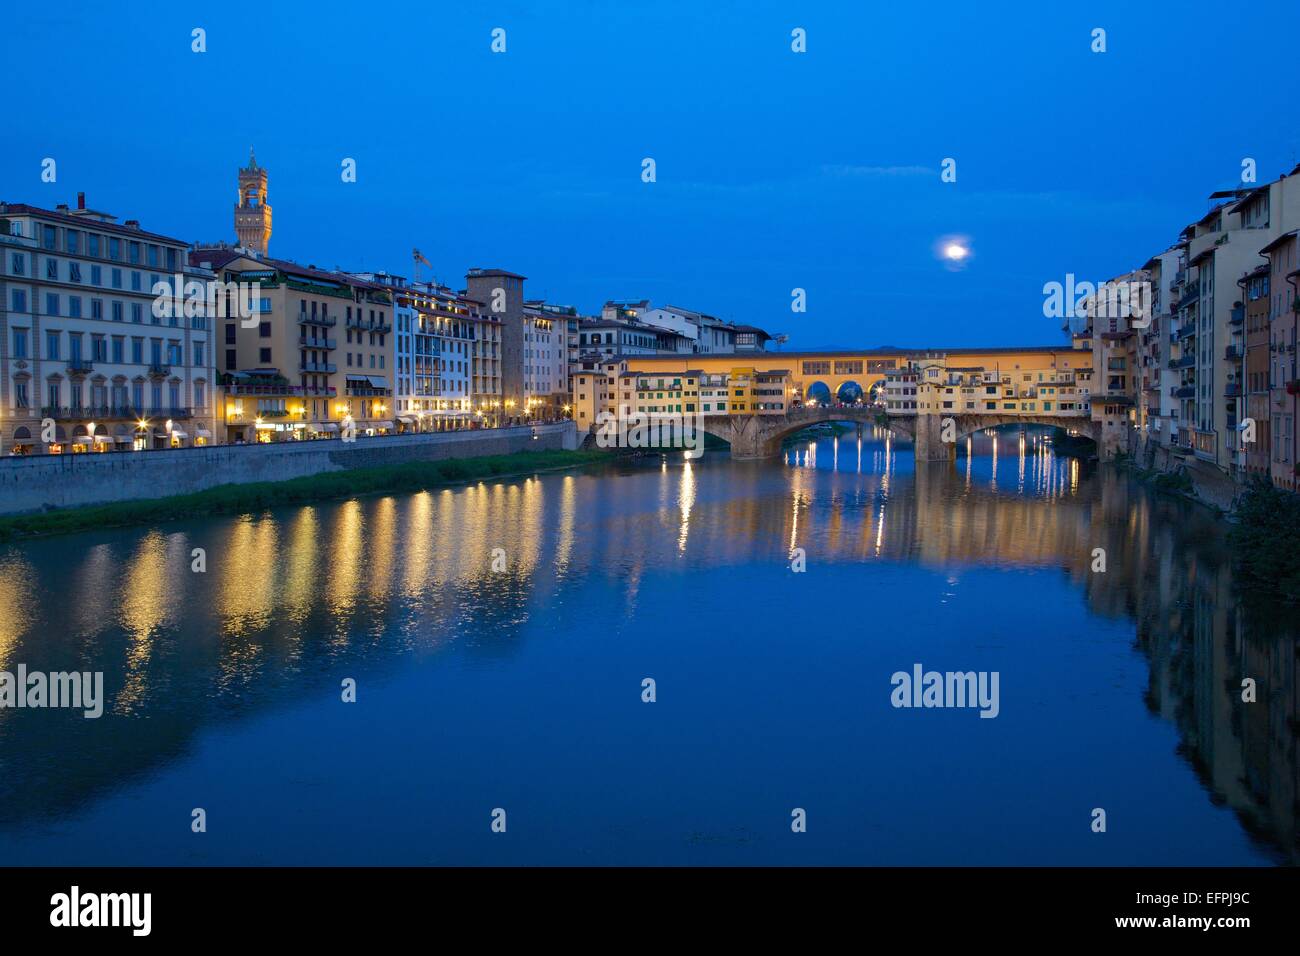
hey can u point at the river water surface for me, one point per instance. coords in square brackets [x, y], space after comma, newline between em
[521, 689]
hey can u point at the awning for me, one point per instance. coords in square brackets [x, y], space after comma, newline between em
[177, 433]
[203, 433]
[406, 420]
[122, 440]
[378, 381]
[388, 425]
[329, 427]
[103, 438]
[81, 440]
[360, 379]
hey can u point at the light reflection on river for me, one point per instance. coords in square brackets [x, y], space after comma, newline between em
[521, 688]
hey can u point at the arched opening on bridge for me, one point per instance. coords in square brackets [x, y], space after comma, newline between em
[818, 393]
[876, 393]
[849, 393]
[1062, 440]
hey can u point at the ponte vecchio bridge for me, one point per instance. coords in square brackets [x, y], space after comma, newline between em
[955, 392]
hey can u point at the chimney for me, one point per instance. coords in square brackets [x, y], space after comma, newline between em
[61, 207]
[81, 200]
[132, 224]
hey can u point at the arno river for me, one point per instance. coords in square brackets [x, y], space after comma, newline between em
[522, 689]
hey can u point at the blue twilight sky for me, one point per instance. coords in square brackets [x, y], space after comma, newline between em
[775, 170]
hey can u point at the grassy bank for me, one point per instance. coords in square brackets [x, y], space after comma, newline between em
[241, 499]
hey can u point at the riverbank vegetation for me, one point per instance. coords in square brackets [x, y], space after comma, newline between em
[243, 499]
[1075, 446]
[1264, 540]
[1177, 483]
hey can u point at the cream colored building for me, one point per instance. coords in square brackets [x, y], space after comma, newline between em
[315, 359]
[83, 347]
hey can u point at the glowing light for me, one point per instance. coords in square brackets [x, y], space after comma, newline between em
[955, 252]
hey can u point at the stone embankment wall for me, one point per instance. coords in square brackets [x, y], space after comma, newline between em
[40, 482]
[1209, 484]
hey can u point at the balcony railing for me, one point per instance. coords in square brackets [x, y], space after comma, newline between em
[325, 321]
[280, 390]
[1232, 390]
[326, 344]
[159, 371]
[328, 368]
[1238, 314]
[364, 324]
[80, 366]
[1183, 391]
[1232, 353]
[92, 413]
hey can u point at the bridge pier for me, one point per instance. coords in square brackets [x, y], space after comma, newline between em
[929, 444]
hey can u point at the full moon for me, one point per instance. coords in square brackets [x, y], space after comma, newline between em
[954, 251]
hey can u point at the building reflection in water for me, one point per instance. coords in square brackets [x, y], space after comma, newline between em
[291, 596]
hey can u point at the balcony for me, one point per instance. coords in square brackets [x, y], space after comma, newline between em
[1232, 354]
[80, 366]
[1183, 391]
[1238, 314]
[328, 368]
[157, 370]
[279, 391]
[64, 413]
[324, 321]
[326, 344]
[363, 324]
[101, 413]
[1232, 390]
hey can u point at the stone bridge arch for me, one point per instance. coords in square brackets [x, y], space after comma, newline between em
[928, 430]
[760, 436]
